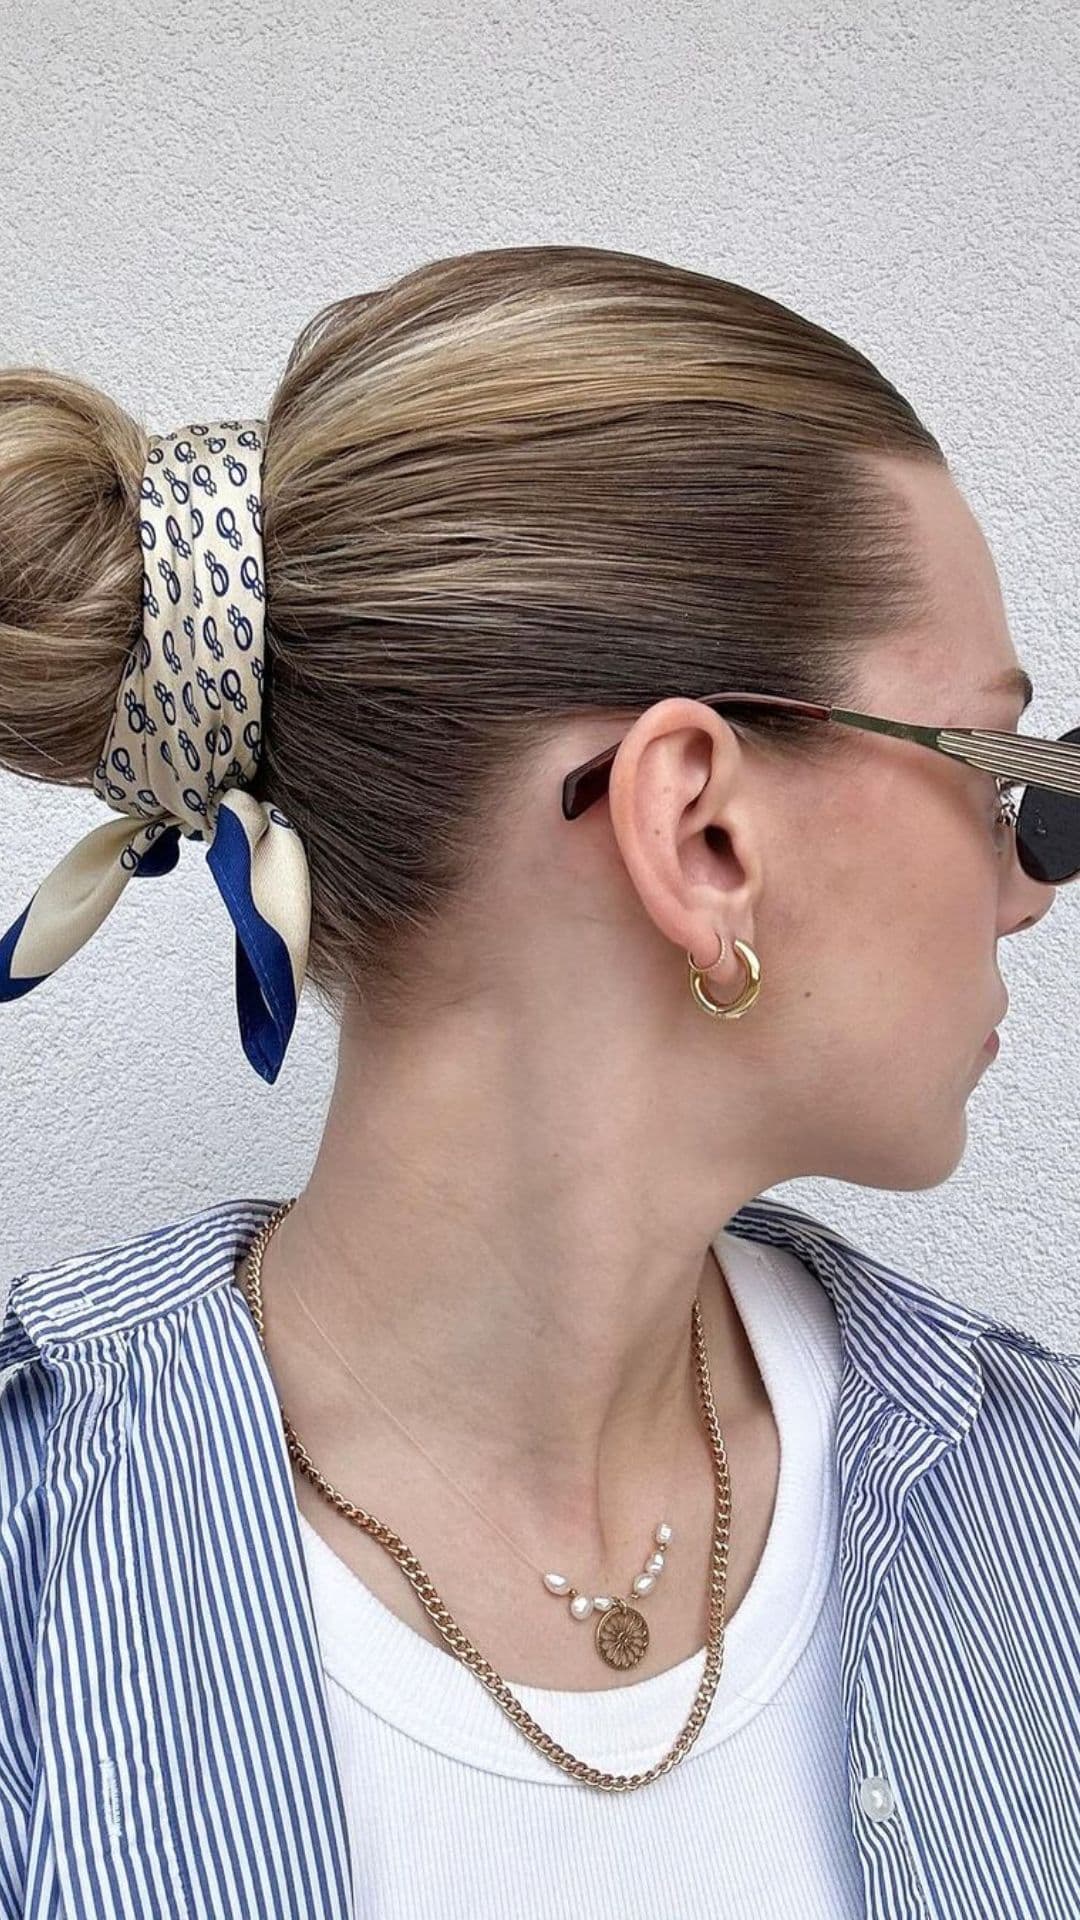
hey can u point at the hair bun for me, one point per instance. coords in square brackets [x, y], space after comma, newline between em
[71, 564]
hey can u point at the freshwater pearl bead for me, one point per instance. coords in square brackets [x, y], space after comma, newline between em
[663, 1533]
[602, 1602]
[581, 1606]
[644, 1583]
[556, 1582]
[655, 1563]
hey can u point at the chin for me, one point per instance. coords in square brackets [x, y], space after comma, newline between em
[940, 1157]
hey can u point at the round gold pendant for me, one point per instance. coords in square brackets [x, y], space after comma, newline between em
[622, 1635]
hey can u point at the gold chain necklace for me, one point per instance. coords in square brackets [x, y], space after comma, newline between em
[621, 1613]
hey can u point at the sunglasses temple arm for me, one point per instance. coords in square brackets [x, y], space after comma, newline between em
[901, 729]
[1043, 763]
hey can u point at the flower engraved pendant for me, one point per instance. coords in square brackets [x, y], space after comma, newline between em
[622, 1635]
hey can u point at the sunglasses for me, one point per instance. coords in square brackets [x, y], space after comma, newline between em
[1047, 824]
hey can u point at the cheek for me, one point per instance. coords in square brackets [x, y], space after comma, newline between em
[886, 911]
[904, 915]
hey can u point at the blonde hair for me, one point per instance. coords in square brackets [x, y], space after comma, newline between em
[512, 488]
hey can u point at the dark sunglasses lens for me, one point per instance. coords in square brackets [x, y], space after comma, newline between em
[1048, 831]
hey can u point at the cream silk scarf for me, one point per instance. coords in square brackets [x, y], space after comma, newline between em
[184, 740]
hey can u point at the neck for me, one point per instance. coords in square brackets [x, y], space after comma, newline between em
[525, 1313]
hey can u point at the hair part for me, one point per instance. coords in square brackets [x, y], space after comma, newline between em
[513, 488]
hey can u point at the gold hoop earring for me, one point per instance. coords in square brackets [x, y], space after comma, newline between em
[744, 1000]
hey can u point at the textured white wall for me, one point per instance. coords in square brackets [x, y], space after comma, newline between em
[184, 184]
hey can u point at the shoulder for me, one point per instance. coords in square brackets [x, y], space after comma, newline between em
[48, 1315]
[103, 1293]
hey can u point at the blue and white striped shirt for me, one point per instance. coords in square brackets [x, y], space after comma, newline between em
[165, 1752]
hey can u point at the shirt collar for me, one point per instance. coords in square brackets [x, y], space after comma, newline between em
[916, 1348]
[913, 1346]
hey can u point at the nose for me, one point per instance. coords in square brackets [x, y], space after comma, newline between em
[1034, 896]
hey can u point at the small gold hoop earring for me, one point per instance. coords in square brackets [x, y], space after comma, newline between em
[744, 1000]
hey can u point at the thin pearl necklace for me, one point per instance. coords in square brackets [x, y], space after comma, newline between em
[625, 1645]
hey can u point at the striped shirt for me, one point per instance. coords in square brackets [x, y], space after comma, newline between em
[165, 1748]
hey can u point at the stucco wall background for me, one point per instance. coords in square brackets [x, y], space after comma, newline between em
[183, 185]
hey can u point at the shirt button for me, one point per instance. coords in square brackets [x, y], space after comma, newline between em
[876, 1797]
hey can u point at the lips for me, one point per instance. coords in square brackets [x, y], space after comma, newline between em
[992, 1039]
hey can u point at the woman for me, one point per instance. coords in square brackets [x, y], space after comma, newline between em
[337, 1531]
